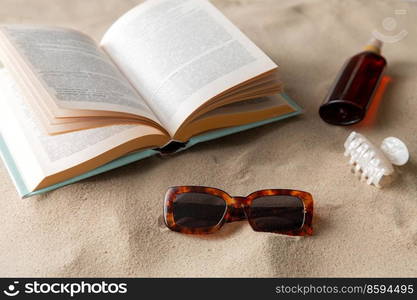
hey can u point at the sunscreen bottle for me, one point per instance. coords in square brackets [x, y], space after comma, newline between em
[351, 94]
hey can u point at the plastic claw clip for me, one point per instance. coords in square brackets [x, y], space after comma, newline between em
[375, 165]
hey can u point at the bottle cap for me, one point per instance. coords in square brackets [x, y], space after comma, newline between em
[374, 45]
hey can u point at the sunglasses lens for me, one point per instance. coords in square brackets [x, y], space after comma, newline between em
[198, 210]
[277, 213]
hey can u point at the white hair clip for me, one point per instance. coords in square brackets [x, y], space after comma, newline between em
[375, 165]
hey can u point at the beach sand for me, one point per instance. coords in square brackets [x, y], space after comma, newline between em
[108, 225]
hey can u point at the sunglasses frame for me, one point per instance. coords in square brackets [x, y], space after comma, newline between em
[237, 209]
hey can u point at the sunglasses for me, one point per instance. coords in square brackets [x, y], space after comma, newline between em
[202, 210]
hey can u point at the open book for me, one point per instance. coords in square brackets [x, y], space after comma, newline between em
[166, 72]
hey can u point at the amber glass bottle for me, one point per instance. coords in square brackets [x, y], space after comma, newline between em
[351, 94]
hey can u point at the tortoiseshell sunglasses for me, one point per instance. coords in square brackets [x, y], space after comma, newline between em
[202, 210]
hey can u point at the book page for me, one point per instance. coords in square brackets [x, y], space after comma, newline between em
[236, 114]
[69, 65]
[181, 53]
[39, 155]
[248, 106]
